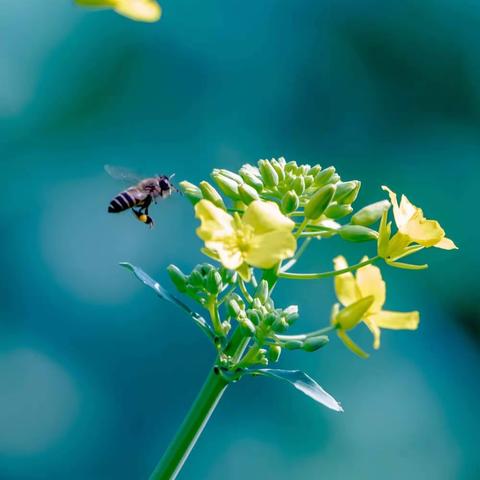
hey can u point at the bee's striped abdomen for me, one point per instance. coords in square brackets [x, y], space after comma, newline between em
[121, 202]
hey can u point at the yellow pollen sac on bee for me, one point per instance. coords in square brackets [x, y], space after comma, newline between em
[143, 218]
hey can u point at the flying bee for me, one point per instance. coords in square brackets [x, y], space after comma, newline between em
[138, 197]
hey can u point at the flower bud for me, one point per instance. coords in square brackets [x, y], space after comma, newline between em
[308, 180]
[335, 178]
[290, 202]
[371, 213]
[251, 179]
[315, 170]
[269, 175]
[314, 343]
[299, 185]
[270, 318]
[262, 291]
[228, 186]
[323, 176]
[357, 233]
[336, 210]
[238, 299]
[178, 278]
[280, 324]
[247, 193]
[319, 202]
[279, 169]
[291, 314]
[293, 344]
[248, 328]
[291, 166]
[191, 191]
[350, 316]
[227, 173]
[233, 308]
[254, 316]
[195, 279]
[274, 352]
[213, 283]
[228, 276]
[209, 193]
[345, 191]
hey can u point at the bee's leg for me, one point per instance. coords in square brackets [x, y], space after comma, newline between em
[146, 204]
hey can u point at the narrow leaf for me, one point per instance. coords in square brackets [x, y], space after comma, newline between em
[165, 295]
[301, 381]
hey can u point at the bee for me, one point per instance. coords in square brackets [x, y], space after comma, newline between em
[139, 196]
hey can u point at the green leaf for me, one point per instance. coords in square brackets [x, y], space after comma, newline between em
[165, 295]
[301, 381]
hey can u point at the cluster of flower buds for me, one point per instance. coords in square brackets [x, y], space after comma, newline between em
[203, 282]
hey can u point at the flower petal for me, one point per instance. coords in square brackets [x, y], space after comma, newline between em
[270, 248]
[446, 244]
[141, 10]
[402, 212]
[265, 217]
[229, 255]
[369, 281]
[396, 320]
[422, 231]
[216, 223]
[374, 328]
[346, 287]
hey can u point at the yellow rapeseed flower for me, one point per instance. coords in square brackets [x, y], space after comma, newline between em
[262, 237]
[140, 10]
[368, 283]
[414, 232]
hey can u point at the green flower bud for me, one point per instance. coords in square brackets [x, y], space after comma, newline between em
[336, 211]
[271, 318]
[209, 193]
[290, 202]
[280, 324]
[324, 176]
[204, 268]
[262, 291]
[352, 196]
[238, 299]
[228, 186]
[319, 202]
[315, 170]
[345, 189]
[254, 316]
[247, 193]
[371, 213]
[299, 185]
[191, 191]
[293, 344]
[274, 352]
[228, 276]
[357, 233]
[291, 166]
[251, 178]
[195, 279]
[384, 232]
[246, 325]
[314, 343]
[350, 316]
[279, 169]
[291, 314]
[213, 283]
[227, 173]
[178, 278]
[233, 308]
[334, 179]
[308, 180]
[269, 175]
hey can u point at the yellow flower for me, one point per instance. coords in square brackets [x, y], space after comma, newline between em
[140, 10]
[413, 228]
[368, 283]
[261, 238]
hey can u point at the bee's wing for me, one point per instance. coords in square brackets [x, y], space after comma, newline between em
[122, 174]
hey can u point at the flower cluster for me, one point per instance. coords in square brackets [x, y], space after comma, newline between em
[256, 223]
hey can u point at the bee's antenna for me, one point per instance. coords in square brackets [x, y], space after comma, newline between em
[171, 176]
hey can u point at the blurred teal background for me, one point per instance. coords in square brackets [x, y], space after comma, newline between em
[95, 372]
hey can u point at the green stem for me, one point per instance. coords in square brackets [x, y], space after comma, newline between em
[191, 428]
[333, 273]
[213, 311]
[301, 227]
[304, 336]
[244, 290]
[297, 255]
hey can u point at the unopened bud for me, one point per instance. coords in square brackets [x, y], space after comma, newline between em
[228, 186]
[291, 314]
[274, 352]
[291, 166]
[347, 191]
[319, 202]
[254, 316]
[247, 193]
[228, 276]
[357, 233]
[279, 169]
[315, 170]
[293, 344]
[290, 202]
[209, 193]
[314, 343]
[323, 176]
[350, 316]
[233, 308]
[269, 175]
[262, 291]
[178, 278]
[250, 178]
[337, 211]
[246, 325]
[308, 180]
[214, 282]
[191, 191]
[299, 185]
[195, 279]
[227, 173]
[371, 213]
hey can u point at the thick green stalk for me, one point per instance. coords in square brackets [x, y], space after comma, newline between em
[191, 428]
